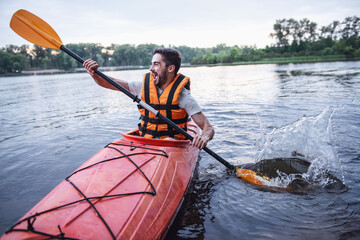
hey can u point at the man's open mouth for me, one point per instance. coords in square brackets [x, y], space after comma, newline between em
[155, 75]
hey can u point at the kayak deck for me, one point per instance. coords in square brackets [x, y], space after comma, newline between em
[131, 189]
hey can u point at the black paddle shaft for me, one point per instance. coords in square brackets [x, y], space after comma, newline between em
[148, 107]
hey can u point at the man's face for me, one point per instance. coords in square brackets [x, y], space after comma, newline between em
[158, 69]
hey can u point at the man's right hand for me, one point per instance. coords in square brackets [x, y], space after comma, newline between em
[90, 65]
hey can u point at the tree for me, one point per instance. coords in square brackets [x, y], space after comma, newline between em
[65, 61]
[11, 63]
[38, 55]
[281, 33]
[330, 31]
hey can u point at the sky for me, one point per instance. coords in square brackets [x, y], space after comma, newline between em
[194, 23]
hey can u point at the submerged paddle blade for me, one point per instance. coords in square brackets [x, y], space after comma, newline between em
[263, 171]
[34, 29]
[250, 176]
[270, 167]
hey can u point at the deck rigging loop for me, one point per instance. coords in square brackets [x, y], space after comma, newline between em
[62, 235]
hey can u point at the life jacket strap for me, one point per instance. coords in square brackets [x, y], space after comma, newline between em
[161, 107]
[159, 121]
[158, 134]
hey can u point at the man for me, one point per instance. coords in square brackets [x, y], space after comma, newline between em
[168, 92]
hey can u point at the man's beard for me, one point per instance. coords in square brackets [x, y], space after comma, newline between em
[162, 78]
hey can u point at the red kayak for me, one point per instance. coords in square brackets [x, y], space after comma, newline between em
[131, 189]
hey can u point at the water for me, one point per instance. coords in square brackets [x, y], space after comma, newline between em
[49, 125]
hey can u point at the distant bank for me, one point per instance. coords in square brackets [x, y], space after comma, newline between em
[277, 60]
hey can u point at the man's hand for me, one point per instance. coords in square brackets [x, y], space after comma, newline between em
[207, 130]
[199, 141]
[90, 66]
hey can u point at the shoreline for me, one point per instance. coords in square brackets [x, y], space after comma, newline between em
[279, 60]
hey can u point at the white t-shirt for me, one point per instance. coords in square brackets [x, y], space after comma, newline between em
[186, 101]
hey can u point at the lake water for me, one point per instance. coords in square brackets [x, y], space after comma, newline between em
[51, 124]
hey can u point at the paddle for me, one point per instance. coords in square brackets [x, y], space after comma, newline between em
[37, 31]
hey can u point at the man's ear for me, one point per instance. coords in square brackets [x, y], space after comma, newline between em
[171, 68]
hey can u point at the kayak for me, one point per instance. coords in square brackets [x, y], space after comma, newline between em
[131, 189]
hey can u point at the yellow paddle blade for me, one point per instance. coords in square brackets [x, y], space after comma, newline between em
[34, 29]
[250, 176]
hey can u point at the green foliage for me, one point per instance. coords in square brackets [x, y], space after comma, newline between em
[11, 62]
[302, 38]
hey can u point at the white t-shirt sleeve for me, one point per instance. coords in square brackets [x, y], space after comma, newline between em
[187, 102]
[135, 87]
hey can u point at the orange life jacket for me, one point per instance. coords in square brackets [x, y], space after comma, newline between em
[167, 104]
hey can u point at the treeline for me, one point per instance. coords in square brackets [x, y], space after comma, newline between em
[302, 38]
[16, 59]
[293, 38]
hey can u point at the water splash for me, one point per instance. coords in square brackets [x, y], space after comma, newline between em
[314, 138]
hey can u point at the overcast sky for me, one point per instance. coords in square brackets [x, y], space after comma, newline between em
[202, 23]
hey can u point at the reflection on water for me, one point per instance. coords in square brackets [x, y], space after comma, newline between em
[194, 210]
[50, 125]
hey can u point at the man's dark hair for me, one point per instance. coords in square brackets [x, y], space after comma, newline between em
[170, 57]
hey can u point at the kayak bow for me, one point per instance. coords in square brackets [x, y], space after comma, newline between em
[131, 189]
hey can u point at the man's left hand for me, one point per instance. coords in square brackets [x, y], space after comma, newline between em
[199, 142]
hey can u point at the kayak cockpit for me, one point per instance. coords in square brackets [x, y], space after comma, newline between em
[133, 136]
